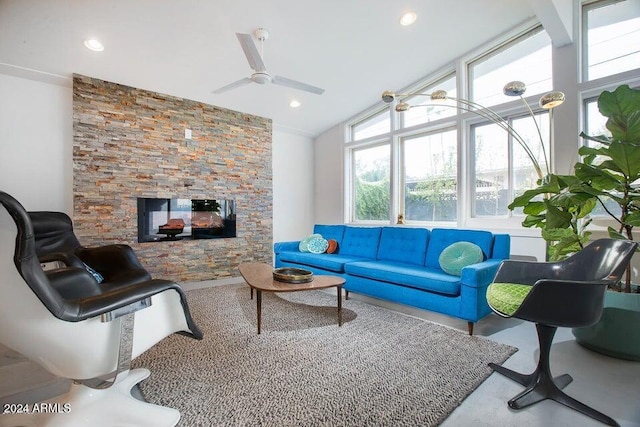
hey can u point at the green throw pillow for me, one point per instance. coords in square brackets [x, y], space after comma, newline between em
[317, 245]
[458, 255]
[506, 298]
[304, 244]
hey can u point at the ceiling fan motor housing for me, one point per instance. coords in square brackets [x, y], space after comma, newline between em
[261, 78]
[261, 34]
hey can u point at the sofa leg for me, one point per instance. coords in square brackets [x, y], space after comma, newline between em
[346, 294]
[470, 327]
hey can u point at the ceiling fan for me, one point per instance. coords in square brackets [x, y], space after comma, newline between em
[261, 76]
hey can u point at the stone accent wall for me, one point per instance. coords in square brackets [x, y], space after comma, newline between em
[130, 143]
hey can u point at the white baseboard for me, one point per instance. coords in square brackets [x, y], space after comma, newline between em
[188, 286]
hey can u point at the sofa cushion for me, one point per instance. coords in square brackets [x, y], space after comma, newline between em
[459, 255]
[360, 242]
[329, 232]
[419, 277]
[440, 238]
[408, 245]
[331, 262]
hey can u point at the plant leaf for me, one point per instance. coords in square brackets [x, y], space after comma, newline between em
[621, 109]
[556, 218]
[614, 234]
[627, 157]
[633, 219]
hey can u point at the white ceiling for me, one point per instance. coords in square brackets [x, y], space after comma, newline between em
[354, 49]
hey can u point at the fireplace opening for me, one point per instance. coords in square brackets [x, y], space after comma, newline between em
[177, 219]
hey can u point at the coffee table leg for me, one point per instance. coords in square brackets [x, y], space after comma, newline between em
[259, 307]
[339, 305]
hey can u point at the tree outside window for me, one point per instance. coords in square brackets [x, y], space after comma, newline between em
[430, 177]
[372, 183]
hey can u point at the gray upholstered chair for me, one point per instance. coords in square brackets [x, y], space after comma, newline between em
[77, 329]
[568, 293]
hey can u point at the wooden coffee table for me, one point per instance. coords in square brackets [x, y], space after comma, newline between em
[260, 277]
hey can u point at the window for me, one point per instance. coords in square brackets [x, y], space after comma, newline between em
[411, 166]
[502, 168]
[527, 59]
[425, 111]
[611, 38]
[430, 176]
[596, 125]
[371, 186]
[377, 124]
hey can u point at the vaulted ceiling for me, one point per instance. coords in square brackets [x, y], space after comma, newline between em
[354, 49]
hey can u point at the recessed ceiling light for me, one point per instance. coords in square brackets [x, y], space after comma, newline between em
[408, 18]
[94, 45]
[294, 104]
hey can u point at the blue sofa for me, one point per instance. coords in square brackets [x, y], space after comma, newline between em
[400, 264]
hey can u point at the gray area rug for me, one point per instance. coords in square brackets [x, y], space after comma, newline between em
[381, 368]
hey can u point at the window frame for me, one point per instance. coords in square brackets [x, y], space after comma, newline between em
[589, 91]
[435, 84]
[402, 173]
[530, 31]
[460, 121]
[575, 89]
[365, 118]
[583, 31]
[509, 117]
[351, 159]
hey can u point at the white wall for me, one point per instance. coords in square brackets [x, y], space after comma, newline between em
[293, 199]
[36, 161]
[36, 143]
[329, 176]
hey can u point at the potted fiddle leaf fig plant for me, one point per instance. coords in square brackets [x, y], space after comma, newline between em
[608, 176]
[610, 172]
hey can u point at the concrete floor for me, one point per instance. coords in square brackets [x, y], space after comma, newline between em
[609, 385]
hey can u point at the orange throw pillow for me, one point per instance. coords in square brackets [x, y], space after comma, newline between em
[333, 246]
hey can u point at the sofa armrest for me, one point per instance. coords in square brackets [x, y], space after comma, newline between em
[285, 246]
[480, 275]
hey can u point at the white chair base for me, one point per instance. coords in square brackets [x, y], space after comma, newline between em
[83, 406]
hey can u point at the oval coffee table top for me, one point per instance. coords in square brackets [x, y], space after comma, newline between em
[259, 275]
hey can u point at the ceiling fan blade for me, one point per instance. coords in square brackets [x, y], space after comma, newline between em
[283, 81]
[251, 52]
[233, 85]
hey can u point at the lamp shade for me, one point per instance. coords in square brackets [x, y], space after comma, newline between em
[402, 106]
[514, 88]
[551, 100]
[388, 96]
[438, 95]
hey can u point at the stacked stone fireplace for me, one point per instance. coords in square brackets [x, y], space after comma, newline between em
[130, 143]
